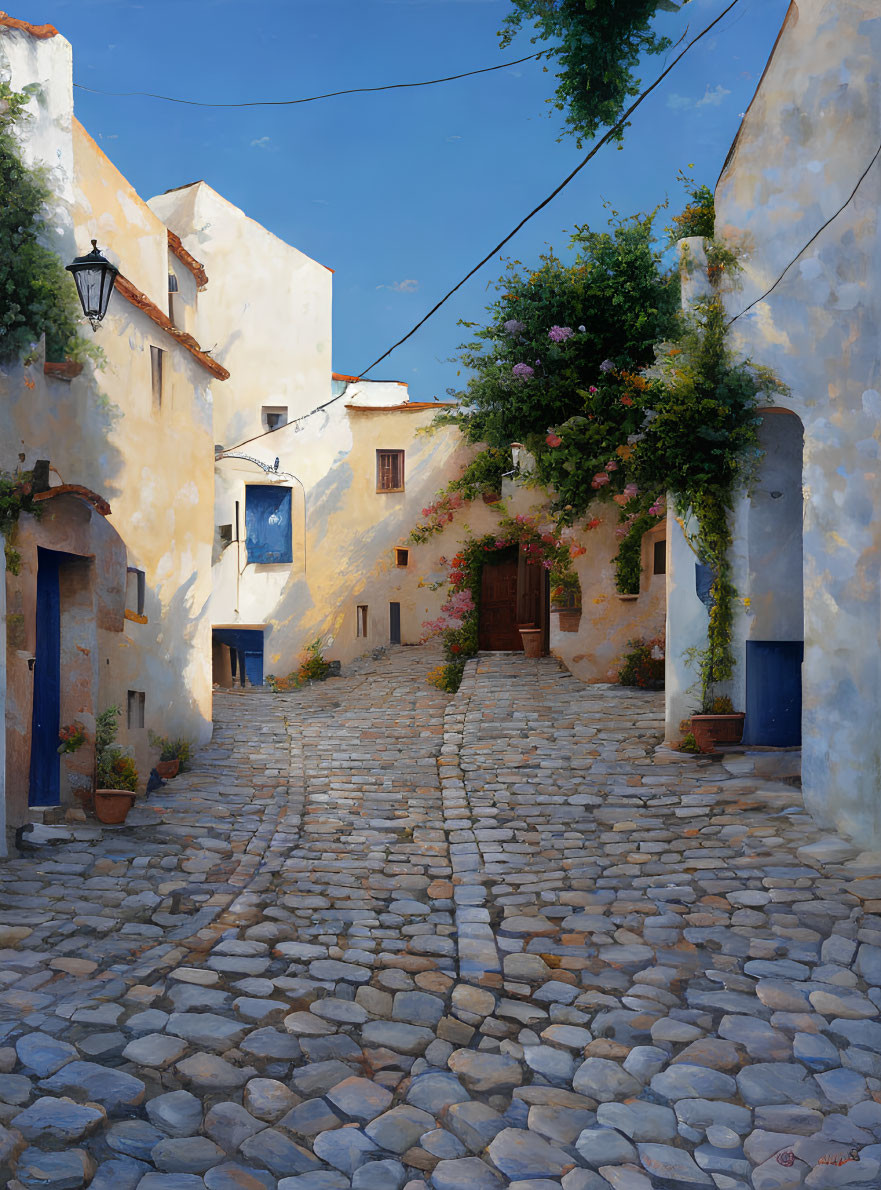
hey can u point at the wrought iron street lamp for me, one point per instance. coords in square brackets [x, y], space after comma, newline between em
[95, 277]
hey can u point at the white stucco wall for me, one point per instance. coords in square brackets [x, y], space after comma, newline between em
[102, 429]
[808, 136]
[45, 68]
[265, 313]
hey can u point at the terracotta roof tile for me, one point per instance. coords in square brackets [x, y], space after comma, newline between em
[404, 406]
[186, 259]
[41, 31]
[125, 289]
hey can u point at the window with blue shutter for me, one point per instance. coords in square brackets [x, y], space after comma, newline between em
[268, 523]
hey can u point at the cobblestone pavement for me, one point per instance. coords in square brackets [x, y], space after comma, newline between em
[381, 937]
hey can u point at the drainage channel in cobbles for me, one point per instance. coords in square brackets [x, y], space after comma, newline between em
[384, 937]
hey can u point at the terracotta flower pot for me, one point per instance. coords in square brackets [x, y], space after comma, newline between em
[531, 638]
[570, 618]
[167, 768]
[709, 730]
[112, 805]
[491, 497]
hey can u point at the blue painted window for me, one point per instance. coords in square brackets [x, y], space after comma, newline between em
[268, 523]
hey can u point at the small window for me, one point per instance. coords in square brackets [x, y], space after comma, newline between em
[659, 559]
[361, 619]
[224, 532]
[156, 370]
[394, 621]
[268, 523]
[402, 557]
[135, 589]
[390, 471]
[274, 416]
[172, 290]
[136, 701]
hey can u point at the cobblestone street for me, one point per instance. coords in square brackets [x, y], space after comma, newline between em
[380, 936]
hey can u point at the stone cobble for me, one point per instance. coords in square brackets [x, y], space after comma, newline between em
[381, 937]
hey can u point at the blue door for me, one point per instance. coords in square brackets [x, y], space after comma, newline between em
[773, 693]
[45, 775]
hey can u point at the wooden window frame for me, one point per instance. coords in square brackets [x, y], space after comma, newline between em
[402, 557]
[398, 455]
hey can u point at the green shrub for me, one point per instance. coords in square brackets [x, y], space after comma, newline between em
[640, 668]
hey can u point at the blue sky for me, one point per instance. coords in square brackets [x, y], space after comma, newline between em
[401, 192]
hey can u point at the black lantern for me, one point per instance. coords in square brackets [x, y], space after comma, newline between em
[95, 277]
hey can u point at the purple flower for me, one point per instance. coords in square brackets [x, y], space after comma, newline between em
[513, 327]
[607, 366]
[560, 333]
[523, 371]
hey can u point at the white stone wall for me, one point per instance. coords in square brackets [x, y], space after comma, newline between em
[807, 138]
[265, 313]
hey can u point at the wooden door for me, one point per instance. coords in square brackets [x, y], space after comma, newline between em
[497, 629]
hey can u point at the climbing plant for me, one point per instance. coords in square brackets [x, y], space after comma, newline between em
[638, 400]
[37, 296]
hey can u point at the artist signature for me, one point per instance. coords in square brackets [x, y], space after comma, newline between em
[787, 1157]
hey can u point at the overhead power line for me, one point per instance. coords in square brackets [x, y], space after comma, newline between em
[313, 98]
[593, 152]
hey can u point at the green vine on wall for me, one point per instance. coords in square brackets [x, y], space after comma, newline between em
[37, 296]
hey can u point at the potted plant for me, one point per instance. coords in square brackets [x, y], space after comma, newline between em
[173, 755]
[718, 723]
[531, 637]
[566, 601]
[116, 776]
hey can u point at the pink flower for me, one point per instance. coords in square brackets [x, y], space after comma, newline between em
[554, 440]
[631, 490]
[612, 465]
[599, 480]
[560, 334]
[523, 371]
[593, 389]
[658, 508]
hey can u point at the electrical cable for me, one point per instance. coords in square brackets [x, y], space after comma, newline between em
[814, 237]
[311, 98]
[602, 141]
